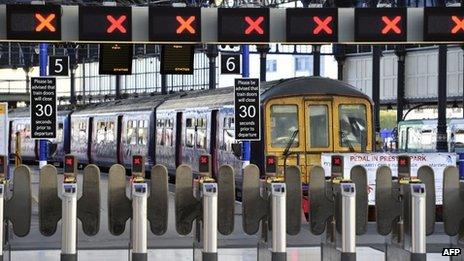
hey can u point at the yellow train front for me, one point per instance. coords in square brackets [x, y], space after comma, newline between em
[304, 117]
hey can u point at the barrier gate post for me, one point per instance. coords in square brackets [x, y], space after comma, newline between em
[339, 208]
[140, 207]
[405, 210]
[17, 209]
[68, 209]
[279, 237]
[213, 209]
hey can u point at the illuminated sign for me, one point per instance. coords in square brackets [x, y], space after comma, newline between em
[70, 166]
[312, 25]
[108, 23]
[115, 59]
[33, 22]
[243, 25]
[404, 166]
[380, 25]
[337, 166]
[137, 164]
[175, 24]
[271, 164]
[444, 24]
[177, 59]
[204, 165]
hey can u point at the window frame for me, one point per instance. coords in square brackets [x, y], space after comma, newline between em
[328, 103]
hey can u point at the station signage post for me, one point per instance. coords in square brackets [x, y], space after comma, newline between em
[247, 109]
[43, 108]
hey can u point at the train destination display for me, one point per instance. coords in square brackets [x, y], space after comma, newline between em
[247, 109]
[43, 108]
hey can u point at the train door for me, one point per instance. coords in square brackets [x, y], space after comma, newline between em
[178, 145]
[214, 141]
[318, 135]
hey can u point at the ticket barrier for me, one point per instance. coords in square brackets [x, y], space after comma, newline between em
[208, 201]
[16, 209]
[68, 208]
[272, 204]
[339, 208]
[405, 210]
[141, 206]
[453, 210]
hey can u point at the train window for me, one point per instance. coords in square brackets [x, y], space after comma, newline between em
[318, 126]
[189, 122]
[131, 137]
[353, 129]
[284, 122]
[159, 132]
[143, 131]
[101, 131]
[228, 134]
[201, 133]
[189, 133]
[110, 132]
[82, 130]
[59, 133]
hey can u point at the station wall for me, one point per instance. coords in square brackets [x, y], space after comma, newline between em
[421, 73]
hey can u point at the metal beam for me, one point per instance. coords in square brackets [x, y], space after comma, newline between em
[401, 54]
[442, 137]
[376, 53]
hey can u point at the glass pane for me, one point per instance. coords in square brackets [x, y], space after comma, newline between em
[284, 122]
[318, 126]
[352, 125]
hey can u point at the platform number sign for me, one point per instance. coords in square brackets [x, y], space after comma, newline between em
[230, 63]
[58, 65]
[247, 109]
[43, 108]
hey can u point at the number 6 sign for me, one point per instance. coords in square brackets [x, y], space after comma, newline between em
[230, 64]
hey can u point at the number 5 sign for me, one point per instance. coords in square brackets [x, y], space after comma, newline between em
[58, 65]
[230, 63]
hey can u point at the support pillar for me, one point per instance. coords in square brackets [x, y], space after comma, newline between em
[316, 60]
[164, 84]
[401, 54]
[263, 50]
[340, 56]
[212, 53]
[72, 53]
[118, 88]
[376, 53]
[442, 138]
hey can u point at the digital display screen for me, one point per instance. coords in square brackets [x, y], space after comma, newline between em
[380, 25]
[175, 24]
[204, 164]
[115, 59]
[337, 165]
[271, 164]
[312, 25]
[140, 188]
[444, 24]
[69, 164]
[107, 23]
[243, 25]
[177, 59]
[404, 164]
[33, 22]
[137, 164]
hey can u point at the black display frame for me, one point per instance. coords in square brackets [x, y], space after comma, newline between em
[242, 12]
[444, 37]
[360, 36]
[103, 36]
[155, 34]
[311, 12]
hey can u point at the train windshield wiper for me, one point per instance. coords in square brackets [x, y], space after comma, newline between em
[347, 140]
[290, 143]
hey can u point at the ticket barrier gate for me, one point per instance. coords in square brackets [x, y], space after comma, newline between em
[274, 204]
[52, 208]
[16, 209]
[405, 210]
[141, 207]
[208, 201]
[453, 211]
[339, 207]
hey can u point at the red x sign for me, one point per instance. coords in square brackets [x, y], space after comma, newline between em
[391, 25]
[459, 24]
[322, 25]
[185, 24]
[116, 24]
[45, 22]
[137, 161]
[254, 25]
[69, 161]
[203, 159]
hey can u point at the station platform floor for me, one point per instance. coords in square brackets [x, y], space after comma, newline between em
[172, 246]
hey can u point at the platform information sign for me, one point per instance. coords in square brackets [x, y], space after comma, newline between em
[4, 128]
[43, 108]
[247, 109]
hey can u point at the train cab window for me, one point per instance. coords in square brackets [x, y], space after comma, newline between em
[131, 137]
[318, 126]
[142, 132]
[201, 133]
[189, 133]
[228, 133]
[353, 129]
[284, 122]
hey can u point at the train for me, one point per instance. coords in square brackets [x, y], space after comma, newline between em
[301, 118]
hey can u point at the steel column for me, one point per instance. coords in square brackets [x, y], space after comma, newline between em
[442, 137]
[43, 60]
[316, 60]
[246, 148]
[340, 56]
[118, 87]
[376, 53]
[164, 84]
[401, 54]
[212, 54]
[263, 49]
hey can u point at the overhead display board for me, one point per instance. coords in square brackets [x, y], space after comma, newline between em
[115, 59]
[247, 109]
[43, 108]
[380, 25]
[444, 24]
[243, 25]
[181, 24]
[105, 23]
[33, 22]
[312, 25]
[177, 59]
